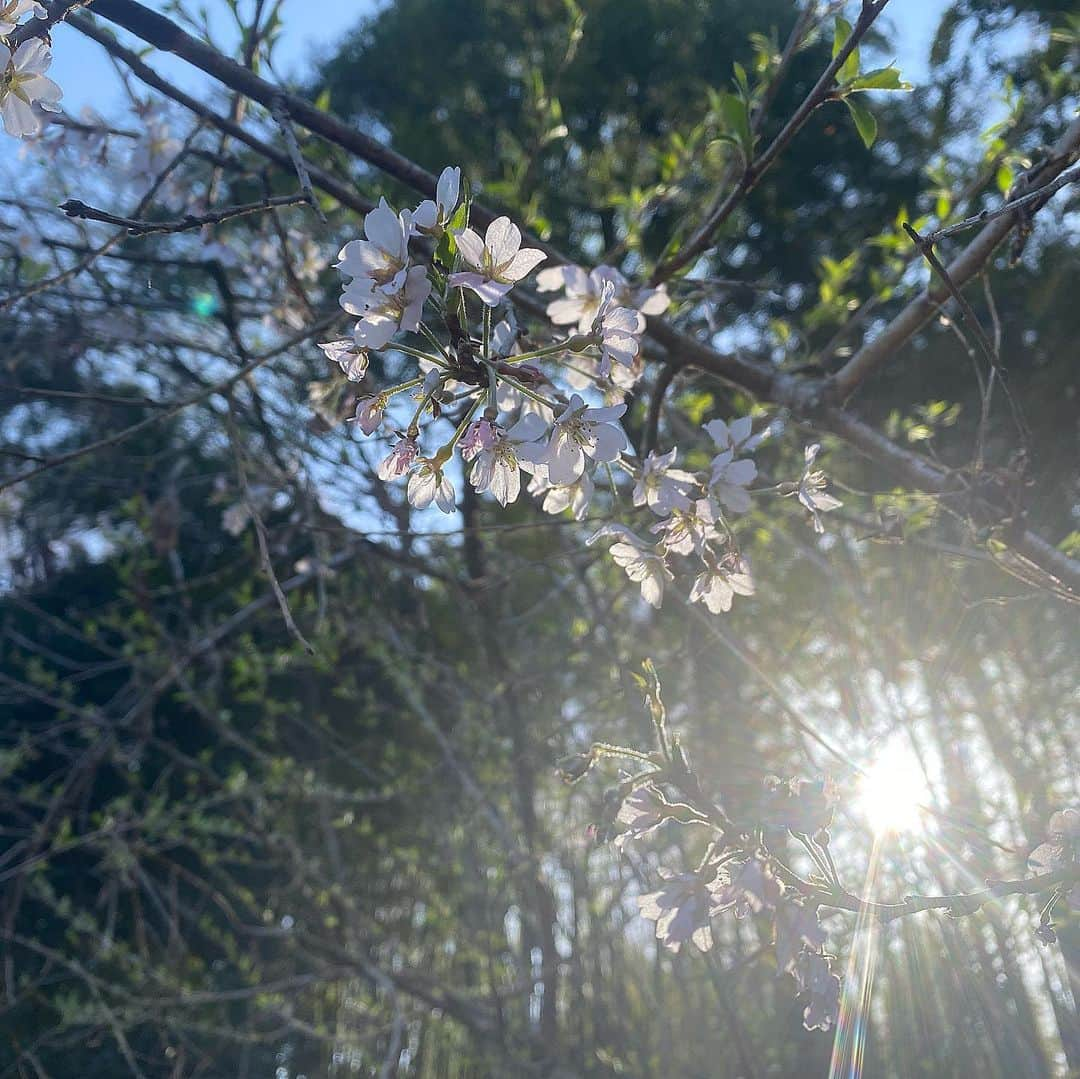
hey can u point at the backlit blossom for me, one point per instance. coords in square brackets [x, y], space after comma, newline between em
[432, 218]
[349, 356]
[11, 11]
[23, 84]
[380, 259]
[811, 491]
[560, 497]
[660, 486]
[720, 583]
[642, 562]
[399, 461]
[584, 294]
[369, 413]
[680, 909]
[581, 432]
[729, 479]
[384, 312]
[797, 926]
[155, 150]
[618, 329]
[1061, 849]
[747, 889]
[495, 263]
[689, 529]
[642, 811]
[815, 978]
[495, 452]
[427, 484]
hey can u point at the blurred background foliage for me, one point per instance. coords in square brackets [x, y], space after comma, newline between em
[225, 856]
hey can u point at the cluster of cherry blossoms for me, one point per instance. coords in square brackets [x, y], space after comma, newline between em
[1060, 851]
[551, 410]
[23, 67]
[740, 873]
[747, 869]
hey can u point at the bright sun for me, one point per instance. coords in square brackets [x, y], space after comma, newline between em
[893, 789]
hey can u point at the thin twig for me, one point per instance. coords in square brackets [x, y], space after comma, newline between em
[260, 532]
[1037, 196]
[280, 112]
[76, 208]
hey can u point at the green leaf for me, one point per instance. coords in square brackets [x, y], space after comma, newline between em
[850, 67]
[736, 116]
[864, 121]
[881, 78]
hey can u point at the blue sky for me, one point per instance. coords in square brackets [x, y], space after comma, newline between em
[88, 78]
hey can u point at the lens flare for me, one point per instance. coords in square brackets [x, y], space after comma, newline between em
[892, 790]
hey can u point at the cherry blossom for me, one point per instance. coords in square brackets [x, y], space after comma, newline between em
[811, 490]
[381, 258]
[690, 529]
[432, 218]
[11, 11]
[584, 294]
[427, 484]
[642, 562]
[560, 497]
[797, 926]
[618, 329]
[400, 460]
[581, 432]
[370, 412]
[495, 454]
[681, 911]
[813, 973]
[349, 356]
[748, 889]
[156, 149]
[384, 312]
[642, 811]
[720, 583]
[1061, 849]
[495, 263]
[662, 487]
[23, 84]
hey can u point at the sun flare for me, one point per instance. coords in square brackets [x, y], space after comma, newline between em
[893, 790]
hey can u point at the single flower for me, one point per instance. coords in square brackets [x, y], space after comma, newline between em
[581, 432]
[383, 313]
[23, 84]
[369, 413]
[381, 258]
[641, 562]
[690, 529]
[11, 11]
[618, 329]
[495, 263]
[495, 454]
[811, 489]
[427, 484]
[681, 911]
[400, 460]
[349, 356]
[432, 218]
[720, 583]
[661, 486]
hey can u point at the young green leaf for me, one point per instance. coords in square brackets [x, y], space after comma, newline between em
[865, 123]
[881, 78]
[850, 67]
